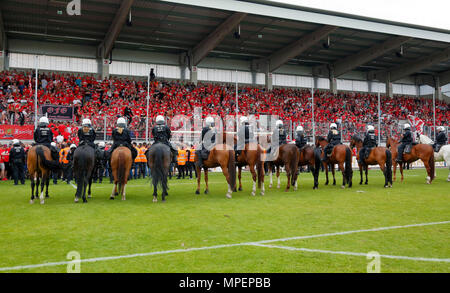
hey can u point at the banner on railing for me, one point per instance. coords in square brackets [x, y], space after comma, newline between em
[16, 131]
[57, 112]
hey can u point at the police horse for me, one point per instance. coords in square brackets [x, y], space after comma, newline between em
[442, 155]
[158, 160]
[83, 168]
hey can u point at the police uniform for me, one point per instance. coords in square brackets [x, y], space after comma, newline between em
[300, 140]
[369, 142]
[43, 135]
[406, 140]
[99, 165]
[17, 161]
[245, 136]
[162, 134]
[122, 139]
[282, 135]
[441, 140]
[334, 139]
[203, 153]
[87, 137]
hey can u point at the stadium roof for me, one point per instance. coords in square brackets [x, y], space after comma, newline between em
[271, 34]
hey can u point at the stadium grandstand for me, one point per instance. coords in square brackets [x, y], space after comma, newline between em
[227, 57]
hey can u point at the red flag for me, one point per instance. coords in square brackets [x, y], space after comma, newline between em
[417, 123]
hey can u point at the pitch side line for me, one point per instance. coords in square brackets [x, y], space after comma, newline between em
[353, 253]
[254, 243]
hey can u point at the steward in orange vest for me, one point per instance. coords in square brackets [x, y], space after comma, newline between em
[181, 159]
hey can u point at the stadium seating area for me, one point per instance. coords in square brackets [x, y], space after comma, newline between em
[110, 98]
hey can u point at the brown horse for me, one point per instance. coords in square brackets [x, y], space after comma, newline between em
[378, 155]
[286, 155]
[121, 161]
[423, 152]
[341, 155]
[39, 164]
[221, 155]
[251, 155]
[310, 156]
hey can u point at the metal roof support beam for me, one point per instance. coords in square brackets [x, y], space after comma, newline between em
[106, 46]
[213, 39]
[389, 88]
[411, 67]
[444, 78]
[347, 64]
[277, 59]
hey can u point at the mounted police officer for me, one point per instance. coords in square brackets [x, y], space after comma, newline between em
[407, 139]
[162, 134]
[87, 134]
[280, 132]
[300, 140]
[441, 139]
[17, 161]
[369, 142]
[43, 135]
[121, 137]
[208, 140]
[245, 135]
[333, 138]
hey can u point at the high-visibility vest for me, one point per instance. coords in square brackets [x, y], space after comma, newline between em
[182, 157]
[192, 156]
[63, 155]
[140, 158]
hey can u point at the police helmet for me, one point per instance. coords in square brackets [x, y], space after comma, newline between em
[86, 122]
[121, 122]
[243, 119]
[370, 128]
[209, 121]
[15, 142]
[43, 121]
[333, 125]
[299, 128]
[406, 126]
[160, 118]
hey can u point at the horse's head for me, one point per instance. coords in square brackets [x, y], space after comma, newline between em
[391, 142]
[355, 141]
[321, 141]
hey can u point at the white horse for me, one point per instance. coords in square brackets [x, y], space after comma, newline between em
[442, 155]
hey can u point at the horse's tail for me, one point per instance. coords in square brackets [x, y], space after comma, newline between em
[432, 166]
[389, 165]
[259, 168]
[232, 169]
[159, 174]
[293, 164]
[80, 171]
[348, 164]
[121, 169]
[48, 164]
[317, 160]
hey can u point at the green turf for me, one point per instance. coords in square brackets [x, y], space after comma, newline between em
[35, 234]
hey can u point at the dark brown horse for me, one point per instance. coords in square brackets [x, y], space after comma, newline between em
[423, 152]
[121, 161]
[286, 155]
[252, 155]
[341, 155]
[158, 160]
[310, 156]
[39, 164]
[221, 155]
[378, 156]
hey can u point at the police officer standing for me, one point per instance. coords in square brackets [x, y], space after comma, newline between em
[17, 159]
[333, 138]
[100, 163]
[441, 139]
[407, 139]
[43, 135]
[300, 140]
[162, 134]
[369, 142]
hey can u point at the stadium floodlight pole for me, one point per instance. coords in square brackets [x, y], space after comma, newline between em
[379, 118]
[434, 114]
[312, 110]
[35, 93]
[148, 101]
[237, 104]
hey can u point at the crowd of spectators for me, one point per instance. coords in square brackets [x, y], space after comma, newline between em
[105, 100]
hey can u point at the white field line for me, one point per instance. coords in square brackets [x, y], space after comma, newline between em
[354, 253]
[51, 264]
[74, 186]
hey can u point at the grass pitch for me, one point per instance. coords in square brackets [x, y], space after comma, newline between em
[171, 233]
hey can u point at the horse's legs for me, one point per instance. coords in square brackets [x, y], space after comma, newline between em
[124, 187]
[366, 169]
[334, 174]
[206, 181]
[344, 181]
[394, 165]
[33, 182]
[47, 182]
[199, 177]
[85, 183]
[278, 177]
[428, 168]
[43, 181]
[239, 177]
[114, 191]
[384, 170]
[401, 171]
[155, 193]
[288, 174]
[360, 173]
[325, 165]
[254, 177]
[227, 176]
[270, 176]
